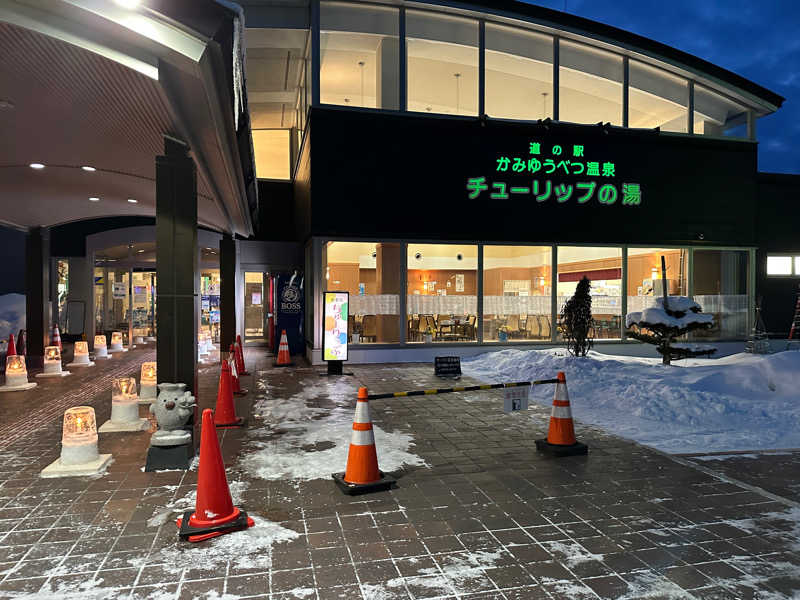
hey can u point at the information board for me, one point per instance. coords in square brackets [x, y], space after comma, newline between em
[119, 290]
[334, 329]
[515, 398]
[447, 366]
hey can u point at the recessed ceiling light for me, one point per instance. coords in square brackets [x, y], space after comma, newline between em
[88, 168]
[94, 199]
[36, 166]
[127, 3]
[6, 104]
[132, 201]
[140, 251]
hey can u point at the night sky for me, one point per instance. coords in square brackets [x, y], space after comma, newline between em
[757, 40]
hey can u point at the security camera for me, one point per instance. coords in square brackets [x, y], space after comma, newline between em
[459, 256]
[418, 256]
[374, 254]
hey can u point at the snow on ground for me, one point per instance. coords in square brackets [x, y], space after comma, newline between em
[12, 315]
[739, 402]
[312, 431]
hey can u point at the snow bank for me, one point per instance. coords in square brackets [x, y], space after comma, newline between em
[740, 402]
[307, 436]
[12, 315]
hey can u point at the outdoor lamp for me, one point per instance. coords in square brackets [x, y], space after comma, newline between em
[81, 355]
[16, 374]
[116, 342]
[124, 401]
[79, 454]
[147, 383]
[52, 363]
[100, 348]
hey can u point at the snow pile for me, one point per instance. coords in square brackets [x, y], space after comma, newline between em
[12, 315]
[658, 315]
[740, 402]
[308, 436]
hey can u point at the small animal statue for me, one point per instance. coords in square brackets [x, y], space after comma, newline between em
[172, 410]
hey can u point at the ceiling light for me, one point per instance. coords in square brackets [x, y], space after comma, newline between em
[132, 200]
[130, 4]
[94, 199]
[140, 251]
[88, 168]
[6, 105]
[36, 166]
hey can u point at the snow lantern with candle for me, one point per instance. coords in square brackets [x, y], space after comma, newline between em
[100, 348]
[124, 408]
[116, 342]
[147, 383]
[79, 453]
[80, 356]
[52, 363]
[16, 374]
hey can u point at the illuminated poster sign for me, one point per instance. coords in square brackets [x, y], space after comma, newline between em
[334, 334]
[554, 173]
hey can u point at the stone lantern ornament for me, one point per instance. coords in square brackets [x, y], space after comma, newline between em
[79, 454]
[100, 348]
[147, 383]
[52, 363]
[116, 342]
[124, 408]
[16, 375]
[81, 355]
[171, 446]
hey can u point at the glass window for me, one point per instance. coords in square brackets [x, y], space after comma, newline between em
[720, 288]
[62, 290]
[779, 265]
[209, 303]
[271, 147]
[644, 275]
[517, 281]
[372, 273]
[590, 85]
[254, 303]
[603, 266]
[717, 115]
[99, 299]
[657, 99]
[144, 303]
[442, 63]
[519, 73]
[359, 52]
[442, 293]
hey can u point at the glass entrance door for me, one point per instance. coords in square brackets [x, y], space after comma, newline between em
[144, 303]
[256, 307]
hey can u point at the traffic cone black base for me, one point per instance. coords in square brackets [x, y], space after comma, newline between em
[353, 489]
[240, 422]
[289, 364]
[198, 534]
[575, 449]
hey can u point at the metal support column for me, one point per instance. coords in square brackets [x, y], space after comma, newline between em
[37, 294]
[227, 293]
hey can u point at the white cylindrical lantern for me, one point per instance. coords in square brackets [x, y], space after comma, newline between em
[52, 363]
[116, 342]
[124, 401]
[100, 348]
[79, 436]
[80, 356]
[16, 371]
[147, 381]
[138, 340]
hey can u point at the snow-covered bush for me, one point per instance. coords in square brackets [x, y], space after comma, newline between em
[672, 317]
[576, 319]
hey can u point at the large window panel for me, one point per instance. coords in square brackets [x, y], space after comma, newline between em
[359, 51]
[372, 273]
[442, 293]
[517, 283]
[657, 99]
[716, 115]
[271, 147]
[720, 288]
[603, 267]
[590, 85]
[519, 73]
[644, 275]
[442, 63]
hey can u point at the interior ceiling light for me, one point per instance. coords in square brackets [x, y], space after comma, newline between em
[36, 166]
[140, 251]
[94, 199]
[6, 104]
[131, 4]
[88, 168]
[132, 200]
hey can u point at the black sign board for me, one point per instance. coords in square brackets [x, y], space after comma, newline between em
[447, 366]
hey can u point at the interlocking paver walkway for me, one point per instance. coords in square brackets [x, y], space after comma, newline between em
[488, 517]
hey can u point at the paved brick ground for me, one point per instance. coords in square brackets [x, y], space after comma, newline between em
[488, 518]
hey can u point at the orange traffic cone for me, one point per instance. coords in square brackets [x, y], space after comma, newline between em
[12, 348]
[284, 360]
[560, 440]
[361, 473]
[55, 338]
[214, 513]
[235, 383]
[225, 411]
[240, 368]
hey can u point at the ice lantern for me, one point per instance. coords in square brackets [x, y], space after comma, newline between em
[147, 383]
[116, 342]
[124, 408]
[100, 348]
[16, 374]
[52, 363]
[79, 454]
[81, 355]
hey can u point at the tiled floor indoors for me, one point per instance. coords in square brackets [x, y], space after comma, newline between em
[485, 517]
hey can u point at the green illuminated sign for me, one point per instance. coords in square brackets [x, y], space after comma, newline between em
[543, 190]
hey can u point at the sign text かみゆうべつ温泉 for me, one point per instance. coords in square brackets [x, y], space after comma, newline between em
[548, 166]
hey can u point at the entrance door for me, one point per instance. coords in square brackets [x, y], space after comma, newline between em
[256, 308]
[144, 303]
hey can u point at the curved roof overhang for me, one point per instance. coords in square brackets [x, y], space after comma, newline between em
[92, 83]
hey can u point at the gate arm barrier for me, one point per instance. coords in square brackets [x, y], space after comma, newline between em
[466, 388]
